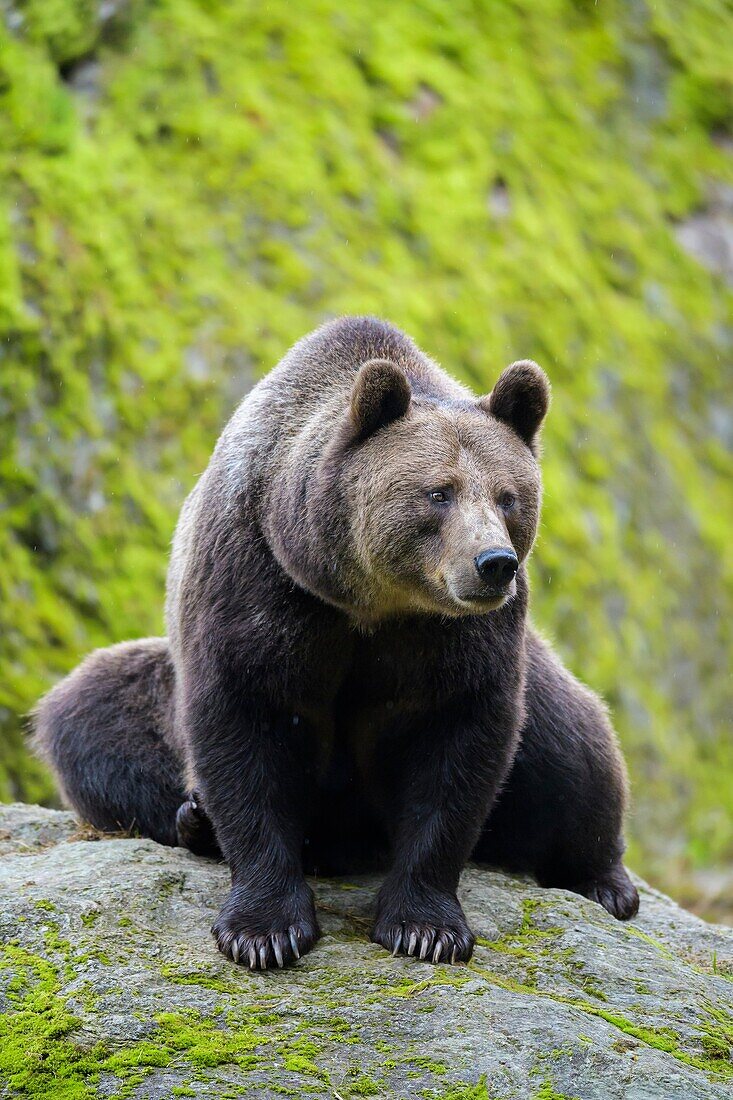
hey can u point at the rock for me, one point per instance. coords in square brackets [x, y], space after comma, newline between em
[708, 234]
[110, 986]
[425, 103]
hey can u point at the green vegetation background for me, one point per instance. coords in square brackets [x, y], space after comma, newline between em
[187, 186]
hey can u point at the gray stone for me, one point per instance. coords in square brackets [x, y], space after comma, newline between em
[110, 986]
[708, 234]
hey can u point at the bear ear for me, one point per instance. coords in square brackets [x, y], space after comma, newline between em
[380, 395]
[520, 398]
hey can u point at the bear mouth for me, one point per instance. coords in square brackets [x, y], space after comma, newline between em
[484, 601]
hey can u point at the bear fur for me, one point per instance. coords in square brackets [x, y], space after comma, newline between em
[349, 679]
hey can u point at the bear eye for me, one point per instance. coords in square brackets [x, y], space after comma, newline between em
[507, 501]
[439, 496]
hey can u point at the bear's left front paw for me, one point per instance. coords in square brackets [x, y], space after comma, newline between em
[431, 927]
[425, 941]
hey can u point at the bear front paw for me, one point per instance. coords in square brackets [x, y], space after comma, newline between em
[261, 952]
[265, 935]
[426, 924]
[425, 941]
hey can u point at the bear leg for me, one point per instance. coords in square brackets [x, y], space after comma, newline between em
[249, 762]
[104, 729]
[418, 912]
[560, 814]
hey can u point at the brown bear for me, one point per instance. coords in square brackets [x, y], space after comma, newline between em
[349, 678]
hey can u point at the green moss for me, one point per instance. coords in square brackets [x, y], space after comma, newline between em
[652, 940]
[537, 950]
[478, 1091]
[548, 1092]
[35, 1052]
[528, 941]
[716, 1034]
[298, 1063]
[438, 1069]
[665, 1039]
[173, 972]
[38, 1055]
[407, 987]
[164, 240]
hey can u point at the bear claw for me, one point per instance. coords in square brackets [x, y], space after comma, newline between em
[263, 952]
[615, 892]
[425, 942]
[262, 932]
[266, 950]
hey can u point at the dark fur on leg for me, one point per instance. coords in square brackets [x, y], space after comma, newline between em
[253, 794]
[438, 819]
[102, 730]
[560, 815]
[244, 707]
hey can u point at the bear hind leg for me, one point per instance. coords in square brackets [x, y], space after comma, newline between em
[104, 731]
[560, 814]
[194, 829]
[613, 889]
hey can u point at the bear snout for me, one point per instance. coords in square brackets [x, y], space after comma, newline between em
[497, 566]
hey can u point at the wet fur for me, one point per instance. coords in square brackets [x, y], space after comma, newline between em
[329, 701]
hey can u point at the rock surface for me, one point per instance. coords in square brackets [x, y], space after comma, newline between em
[708, 234]
[110, 986]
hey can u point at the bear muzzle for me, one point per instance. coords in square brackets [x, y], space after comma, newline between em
[497, 567]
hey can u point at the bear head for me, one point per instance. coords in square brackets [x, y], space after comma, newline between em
[422, 500]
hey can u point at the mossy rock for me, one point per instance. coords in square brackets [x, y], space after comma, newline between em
[111, 986]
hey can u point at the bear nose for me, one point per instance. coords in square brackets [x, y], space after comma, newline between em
[497, 567]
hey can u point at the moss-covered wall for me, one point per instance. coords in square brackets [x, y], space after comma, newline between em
[189, 185]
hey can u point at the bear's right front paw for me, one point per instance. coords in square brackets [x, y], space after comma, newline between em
[265, 935]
